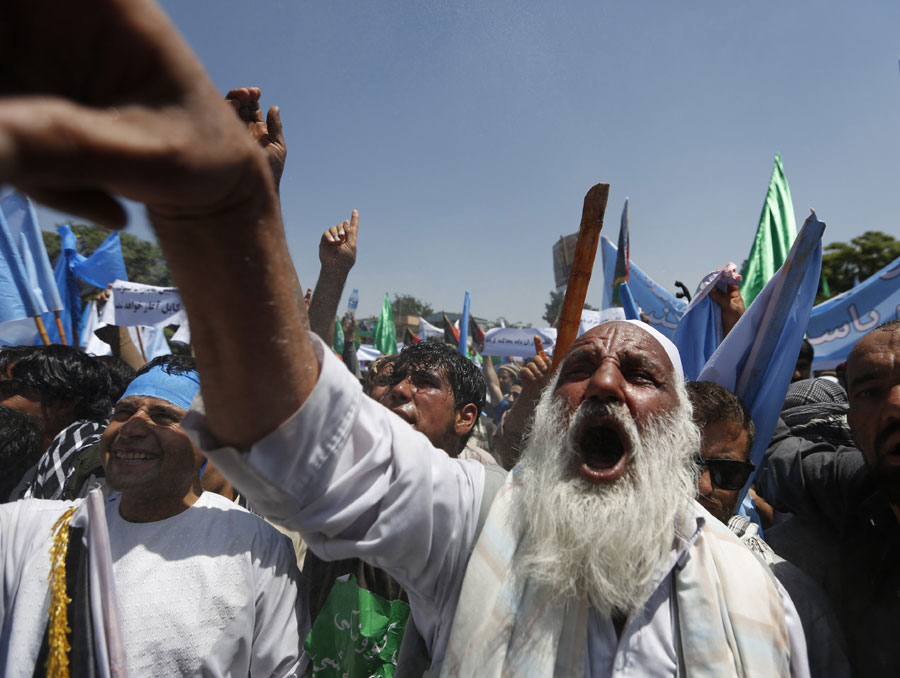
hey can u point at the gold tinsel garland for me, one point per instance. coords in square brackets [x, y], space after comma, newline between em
[58, 624]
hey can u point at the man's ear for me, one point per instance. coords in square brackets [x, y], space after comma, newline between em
[466, 416]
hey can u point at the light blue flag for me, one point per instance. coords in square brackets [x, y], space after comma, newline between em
[25, 231]
[464, 327]
[659, 305]
[68, 290]
[837, 324]
[105, 265]
[757, 358]
[700, 331]
[632, 312]
[16, 297]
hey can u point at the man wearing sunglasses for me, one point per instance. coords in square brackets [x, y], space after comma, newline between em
[726, 438]
[727, 431]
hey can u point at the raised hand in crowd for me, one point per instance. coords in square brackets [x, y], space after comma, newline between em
[267, 133]
[337, 254]
[732, 304]
[534, 377]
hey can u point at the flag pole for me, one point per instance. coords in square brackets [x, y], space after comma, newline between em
[582, 265]
[42, 330]
[141, 343]
[59, 326]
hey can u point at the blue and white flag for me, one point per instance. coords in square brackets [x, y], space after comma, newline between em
[700, 331]
[660, 306]
[105, 265]
[757, 358]
[20, 219]
[837, 324]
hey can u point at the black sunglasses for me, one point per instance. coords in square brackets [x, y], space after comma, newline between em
[728, 474]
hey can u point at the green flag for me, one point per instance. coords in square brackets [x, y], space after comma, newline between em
[826, 290]
[338, 337]
[385, 332]
[774, 235]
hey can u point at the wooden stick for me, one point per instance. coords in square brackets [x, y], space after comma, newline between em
[59, 326]
[582, 265]
[137, 329]
[42, 330]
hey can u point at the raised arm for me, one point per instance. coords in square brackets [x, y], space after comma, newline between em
[337, 254]
[128, 110]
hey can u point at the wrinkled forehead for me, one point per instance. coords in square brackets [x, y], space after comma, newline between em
[619, 337]
[875, 354]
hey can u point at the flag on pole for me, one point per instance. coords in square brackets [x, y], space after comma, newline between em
[632, 312]
[463, 342]
[16, 295]
[385, 332]
[451, 334]
[774, 235]
[660, 306]
[477, 332]
[410, 338]
[826, 290]
[757, 358]
[623, 257]
[25, 231]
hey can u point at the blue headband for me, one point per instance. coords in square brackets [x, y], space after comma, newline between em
[178, 389]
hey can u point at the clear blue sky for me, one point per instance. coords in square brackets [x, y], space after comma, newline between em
[466, 132]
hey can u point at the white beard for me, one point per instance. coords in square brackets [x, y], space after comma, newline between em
[604, 543]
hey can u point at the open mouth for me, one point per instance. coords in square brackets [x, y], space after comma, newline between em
[133, 456]
[407, 416]
[602, 450]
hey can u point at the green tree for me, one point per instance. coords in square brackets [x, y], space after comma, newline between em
[406, 304]
[553, 307]
[863, 256]
[144, 260]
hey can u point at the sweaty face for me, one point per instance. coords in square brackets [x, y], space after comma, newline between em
[145, 451]
[422, 396]
[721, 440]
[873, 387]
[614, 363]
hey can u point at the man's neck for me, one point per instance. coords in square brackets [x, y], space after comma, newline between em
[138, 509]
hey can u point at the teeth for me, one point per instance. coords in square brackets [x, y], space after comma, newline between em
[133, 456]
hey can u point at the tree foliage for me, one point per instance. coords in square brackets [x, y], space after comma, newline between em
[144, 260]
[554, 306]
[844, 263]
[406, 304]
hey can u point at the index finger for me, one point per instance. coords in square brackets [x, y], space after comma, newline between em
[539, 346]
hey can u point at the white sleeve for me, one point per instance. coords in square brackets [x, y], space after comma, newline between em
[358, 482]
[796, 637]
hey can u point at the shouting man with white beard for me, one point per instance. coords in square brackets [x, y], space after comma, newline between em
[594, 558]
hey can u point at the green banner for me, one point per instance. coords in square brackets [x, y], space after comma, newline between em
[357, 634]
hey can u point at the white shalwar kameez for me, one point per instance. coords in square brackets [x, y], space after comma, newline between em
[212, 591]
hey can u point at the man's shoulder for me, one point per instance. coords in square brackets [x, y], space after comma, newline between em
[236, 522]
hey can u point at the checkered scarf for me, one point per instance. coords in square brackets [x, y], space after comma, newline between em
[58, 462]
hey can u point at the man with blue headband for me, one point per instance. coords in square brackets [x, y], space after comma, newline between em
[199, 585]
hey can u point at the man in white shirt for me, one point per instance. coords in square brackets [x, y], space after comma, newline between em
[202, 585]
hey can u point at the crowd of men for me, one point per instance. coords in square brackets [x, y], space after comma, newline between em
[198, 516]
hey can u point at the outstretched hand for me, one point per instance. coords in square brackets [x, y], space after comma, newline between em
[337, 248]
[125, 109]
[267, 133]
